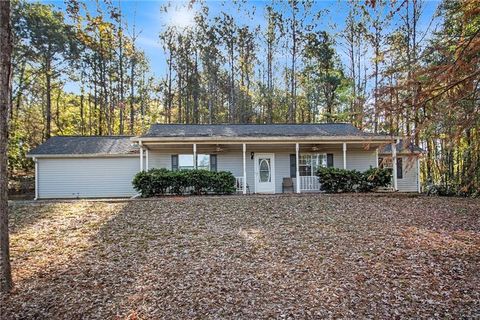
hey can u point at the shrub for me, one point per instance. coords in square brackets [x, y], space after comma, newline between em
[157, 182]
[338, 180]
[335, 180]
[223, 182]
[375, 178]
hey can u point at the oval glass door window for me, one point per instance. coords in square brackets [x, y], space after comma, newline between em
[264, 168]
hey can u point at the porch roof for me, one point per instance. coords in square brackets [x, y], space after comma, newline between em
[249, 132]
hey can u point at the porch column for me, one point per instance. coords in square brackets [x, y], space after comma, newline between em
[195, 156]
[297, 150]
[244, 185]
[146, 159]
[376, 158]
[394, 166]
[344, 156]
[36, 178]
[141, 157]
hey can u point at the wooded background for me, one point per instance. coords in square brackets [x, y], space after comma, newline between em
[421, 83]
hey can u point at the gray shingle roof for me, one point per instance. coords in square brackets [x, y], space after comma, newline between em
[78, 145]
[255, 130]
[401, 148]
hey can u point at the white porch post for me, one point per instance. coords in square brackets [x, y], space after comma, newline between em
[36, 178]
[141, 157]
[394, 166]
[297, 149]
[146, 159]
[195, 156]
[244, 186]
[344, 156]
[376, 158]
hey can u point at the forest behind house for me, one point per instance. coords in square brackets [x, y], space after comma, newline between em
[382, 71]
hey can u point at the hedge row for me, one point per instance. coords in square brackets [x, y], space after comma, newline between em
[157, 182]
[335, 180]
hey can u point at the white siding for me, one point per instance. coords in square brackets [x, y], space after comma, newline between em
[86, 177]
[233, 161]
[409, 182]
[159, 160]
[361, 160]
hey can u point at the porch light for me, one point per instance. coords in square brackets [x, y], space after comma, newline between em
[314, 148]
[252, 154]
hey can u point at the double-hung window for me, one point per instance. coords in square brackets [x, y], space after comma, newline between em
[186, 161]
[310, 162]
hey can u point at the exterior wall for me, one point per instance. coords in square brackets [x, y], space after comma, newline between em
[86, 177]
[233, 161]
[409, 182]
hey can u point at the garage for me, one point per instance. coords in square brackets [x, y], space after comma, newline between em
[85, 167]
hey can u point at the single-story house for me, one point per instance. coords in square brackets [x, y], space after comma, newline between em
[260, 156]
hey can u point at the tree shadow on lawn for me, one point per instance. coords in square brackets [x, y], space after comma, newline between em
[244, 257]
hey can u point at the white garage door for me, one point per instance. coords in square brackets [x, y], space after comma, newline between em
[86, 177]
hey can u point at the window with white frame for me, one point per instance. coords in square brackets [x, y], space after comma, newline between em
[185, 161]
[203, 161]
[310, 162]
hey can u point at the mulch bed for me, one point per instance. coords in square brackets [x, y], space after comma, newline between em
[309, 256]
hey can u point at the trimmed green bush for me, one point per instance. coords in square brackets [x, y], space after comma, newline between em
[334, 180]
[157, 182]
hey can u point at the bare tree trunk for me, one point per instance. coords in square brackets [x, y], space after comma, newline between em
[170, 97]
[293, 106]
[5, 102]
[48, 111]
[132, 95]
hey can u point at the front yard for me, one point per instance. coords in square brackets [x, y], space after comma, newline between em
[309, 256]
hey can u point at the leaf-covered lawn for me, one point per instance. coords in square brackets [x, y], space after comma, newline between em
[309, 256]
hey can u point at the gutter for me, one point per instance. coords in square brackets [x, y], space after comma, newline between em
[86, 155]
[292, 139]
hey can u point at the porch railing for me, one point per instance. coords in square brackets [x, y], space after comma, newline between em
[309, 183]
[239, 183]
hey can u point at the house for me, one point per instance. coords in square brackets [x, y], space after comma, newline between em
[260, 156]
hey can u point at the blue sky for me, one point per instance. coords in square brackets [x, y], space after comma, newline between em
[150, 20]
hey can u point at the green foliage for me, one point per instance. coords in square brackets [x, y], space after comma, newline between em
[374, 178]
[335, 180]
[157, 182]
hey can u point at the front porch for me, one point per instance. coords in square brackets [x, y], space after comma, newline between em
[262, 167]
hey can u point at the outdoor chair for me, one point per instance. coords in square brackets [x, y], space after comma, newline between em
[287, 184]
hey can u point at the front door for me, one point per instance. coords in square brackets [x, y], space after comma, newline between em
[264, 173]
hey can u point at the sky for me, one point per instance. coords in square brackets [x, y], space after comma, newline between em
[150, 21]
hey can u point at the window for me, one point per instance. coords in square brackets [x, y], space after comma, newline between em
[387, 163]
[185, 161]
[309, 163]
[203, 161]
[399, 168]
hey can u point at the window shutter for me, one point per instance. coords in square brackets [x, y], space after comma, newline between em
[399, 168]
[330, 160]
[174, 162]
[213, 162]
[293, 166]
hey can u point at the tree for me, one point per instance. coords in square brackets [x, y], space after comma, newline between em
[6, 47]
[51, 40]
[323, 71]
